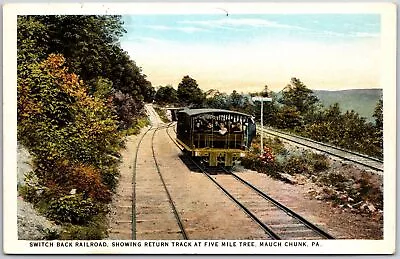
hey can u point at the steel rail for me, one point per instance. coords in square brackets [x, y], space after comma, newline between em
[267, 229]
[282, 207]
[326, 151]
[326, 144]
[134, 186]
[183, 232]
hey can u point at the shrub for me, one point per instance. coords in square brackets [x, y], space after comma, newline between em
[317, 162]
[295, 165]
[143, 121]
[94, 230]
[66, 175]
[72, 208]
[88, 180]
[128, 109]
[72, 135]
[333, 179]
[276, 145]
[263, 164]
[32, 188]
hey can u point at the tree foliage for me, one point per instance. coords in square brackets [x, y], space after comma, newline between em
[299, 110]
[378, 114]
[189, 92]
[299, 97]
[76, 90]
[90, 45]
[166, 95]
[66, 130]
[88, 42]
[347, 130]
[217, 100]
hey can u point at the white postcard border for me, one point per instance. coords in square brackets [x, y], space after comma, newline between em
[11, 243]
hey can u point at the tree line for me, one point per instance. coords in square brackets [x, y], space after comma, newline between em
[78, 92]
[296, 109]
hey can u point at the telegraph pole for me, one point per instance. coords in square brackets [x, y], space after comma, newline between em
[262, 100]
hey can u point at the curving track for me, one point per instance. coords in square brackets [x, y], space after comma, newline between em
[278, 221]
[361, 159]
[154, 214]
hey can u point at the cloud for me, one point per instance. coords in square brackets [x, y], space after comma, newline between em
[350, 34]
[187, 29]
[366, 35]
[231, 23]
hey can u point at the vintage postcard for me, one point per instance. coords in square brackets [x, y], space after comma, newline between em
[199, 128]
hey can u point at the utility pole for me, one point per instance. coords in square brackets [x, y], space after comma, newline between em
[262, 100]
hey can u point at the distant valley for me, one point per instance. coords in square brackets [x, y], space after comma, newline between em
[362, 101]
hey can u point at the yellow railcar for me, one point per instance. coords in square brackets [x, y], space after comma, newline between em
[219, 136]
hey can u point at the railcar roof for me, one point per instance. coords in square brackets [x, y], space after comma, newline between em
[192, 112]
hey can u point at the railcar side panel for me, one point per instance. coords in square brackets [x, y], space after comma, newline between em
[219, 136]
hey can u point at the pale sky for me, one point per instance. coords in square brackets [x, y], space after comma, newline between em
[246, 52]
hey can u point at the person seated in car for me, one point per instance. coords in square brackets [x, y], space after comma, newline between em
[209, 127]
[237, 127]
[223, 130]
[216, 126]
[197, 125]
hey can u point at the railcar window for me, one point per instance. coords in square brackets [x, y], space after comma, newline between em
[219, 123]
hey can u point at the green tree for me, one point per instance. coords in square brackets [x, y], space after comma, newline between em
[218, 100]
[65, 128]
[288, 117]
[235, 101]
[189, 92]
[32, 41]
[348, 130]
[378, 114]
[271, 109]
[299, 97]
[266, 92]
[90, 44]
[166, 95]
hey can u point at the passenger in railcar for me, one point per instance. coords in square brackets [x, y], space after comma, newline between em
[197, 125]
[229, 125]
[209, 126]
[223, 130]
[216, 126]
[237, 127]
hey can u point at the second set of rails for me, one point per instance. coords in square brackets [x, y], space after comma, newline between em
[337, 152]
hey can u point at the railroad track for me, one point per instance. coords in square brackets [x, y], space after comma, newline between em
[278, 221]
[351, 156]
[150, 181]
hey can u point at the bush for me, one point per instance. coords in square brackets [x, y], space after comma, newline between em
[88, 180]
[142, 122]
[334, 179]
[276, 145]
[295, 165]
[72, 208]
[263, 164]
[317, 162]
[31, 189]
[94, 230]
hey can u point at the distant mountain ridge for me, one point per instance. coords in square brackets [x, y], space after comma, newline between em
[362, 101]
